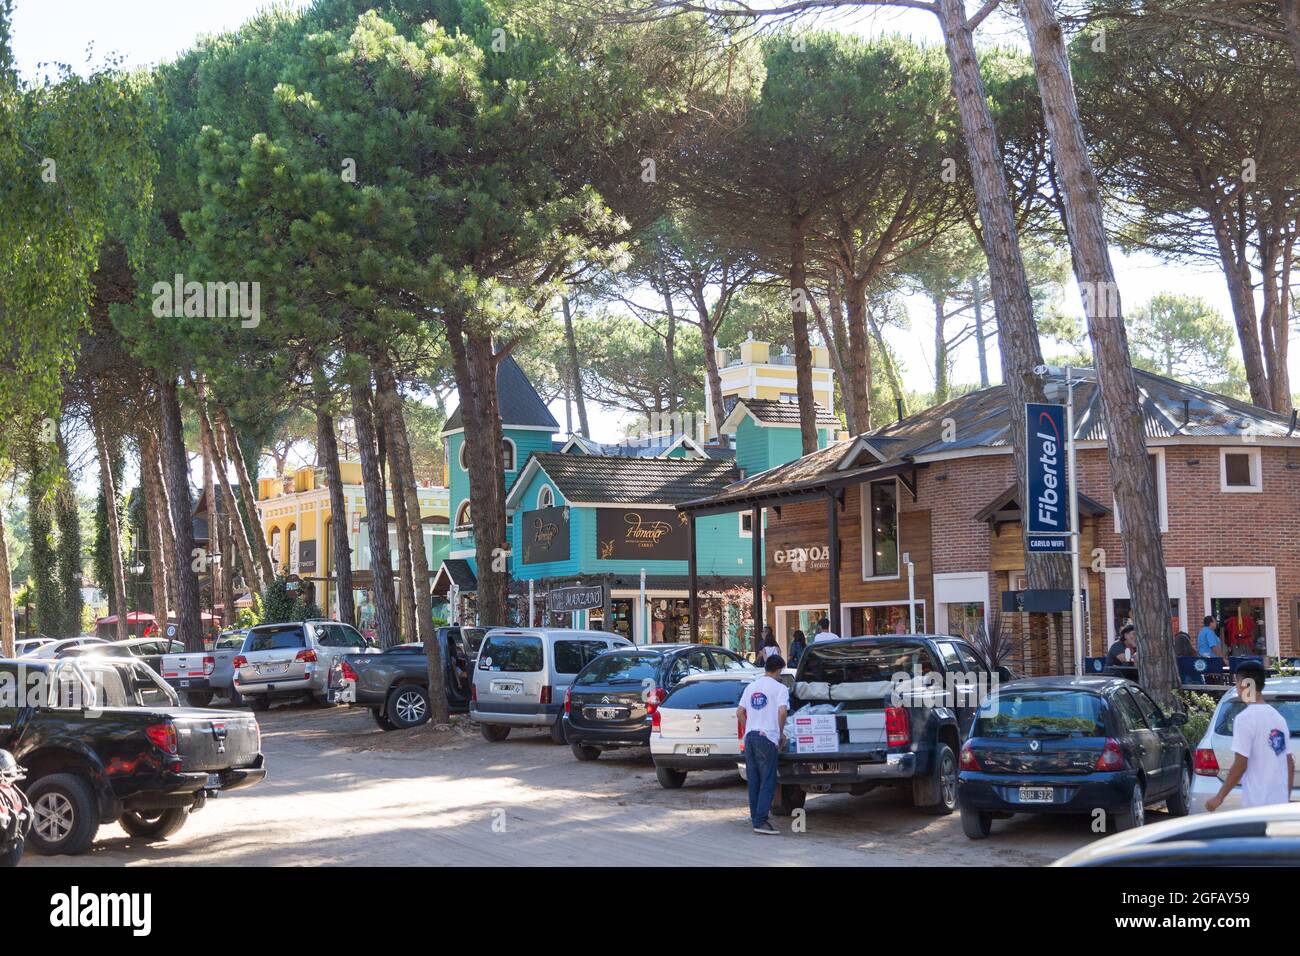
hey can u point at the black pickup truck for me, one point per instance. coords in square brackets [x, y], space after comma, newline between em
[887, 711]
[104, 739]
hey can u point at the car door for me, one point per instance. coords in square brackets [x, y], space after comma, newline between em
[1142, 741]
[962, 698]
[979, 683]
[1169, 738]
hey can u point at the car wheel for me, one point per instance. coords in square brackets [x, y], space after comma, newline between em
[670, 779]
[494, 733]
[557, 732]
[583, 752]
[938, 793]
[259, 702]
[1180, 804]
[154, 824]
[788, 800]
[408, 706]
[198, 698]
[12, 856]
[382, 719]
[235, 697]
[65, 817]
[976, 825]
[1135, 814]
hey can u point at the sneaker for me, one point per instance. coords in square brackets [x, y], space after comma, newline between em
[766, 828]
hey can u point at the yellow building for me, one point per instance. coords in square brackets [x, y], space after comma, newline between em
[296, 518]
[752, 371]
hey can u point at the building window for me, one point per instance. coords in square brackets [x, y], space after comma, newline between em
[463, 524]
[508, 453]
[545, 497]
[880, 529]
[1156, 460]
[747, 523]
[460, 455]
[1239, 470]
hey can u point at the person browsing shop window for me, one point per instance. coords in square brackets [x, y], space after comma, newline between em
[1207, 640]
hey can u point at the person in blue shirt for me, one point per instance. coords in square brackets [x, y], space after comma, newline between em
[1207, 640]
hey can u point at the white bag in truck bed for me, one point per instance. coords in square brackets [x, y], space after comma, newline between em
[861, 690]
[864, 720]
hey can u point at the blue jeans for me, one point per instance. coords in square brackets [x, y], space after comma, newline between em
[760, 768]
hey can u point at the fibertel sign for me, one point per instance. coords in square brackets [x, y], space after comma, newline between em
[1047, 517]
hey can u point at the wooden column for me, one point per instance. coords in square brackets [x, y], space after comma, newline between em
[833, 560]
[692, 595]
[756, 522]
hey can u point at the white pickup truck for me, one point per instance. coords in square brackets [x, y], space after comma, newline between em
[202, 675]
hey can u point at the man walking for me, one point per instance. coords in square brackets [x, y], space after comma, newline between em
[760, 719]
[1263, 766]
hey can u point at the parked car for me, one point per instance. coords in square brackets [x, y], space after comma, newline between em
[15, 811]
[104, 739]
[1073, 745]
[395, 684]
[695, 727]
[1257, 836]
[891, 711]
[202, 676]
[1213, 757]
[29, 644]
[613, 699]
[149, 650]
[293, 660]
[522, 674]
[52, 649]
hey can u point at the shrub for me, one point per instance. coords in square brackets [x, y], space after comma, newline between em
[1200, 711]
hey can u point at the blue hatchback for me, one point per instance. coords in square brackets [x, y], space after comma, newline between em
[1072, 745]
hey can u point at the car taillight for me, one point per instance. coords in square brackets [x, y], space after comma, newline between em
[968, 759]
[654, 699]
[568, 700]
[1112, 756]
[898, 727]
[209, 665]
[348, 672]
[163, 736]
[239, 661]
[656, 717]
[1206, 763]
[307, 657]
[473, 692]
[546, 693]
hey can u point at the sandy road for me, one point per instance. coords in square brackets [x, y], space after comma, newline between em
[342, 792]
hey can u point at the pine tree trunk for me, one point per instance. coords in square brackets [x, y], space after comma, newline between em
[48, 606]
[859, 363]
[106, 484]
[1135, 493]
[940, 351]
[474, 363]
[68, 518]
[381, 569]
[405, 490]
[8, 632]
[239, 532]
[575, 370]
[713, 375]
[176, 478]
[836, 353]
[261, 553]
[1241, 295]
[1017, 333]
[213, 544]
[162, 550]
[981, 344]
[803, 363]
[405, 578]
[327, 448]
[1291, 22]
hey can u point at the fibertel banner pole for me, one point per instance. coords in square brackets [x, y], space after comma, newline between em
[1076, 599]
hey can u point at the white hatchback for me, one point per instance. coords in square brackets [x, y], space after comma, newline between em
[695, 726]
[1214, 756]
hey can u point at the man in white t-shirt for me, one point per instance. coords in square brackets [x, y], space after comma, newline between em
[824, 632]
[1263, 766]
[760, 720]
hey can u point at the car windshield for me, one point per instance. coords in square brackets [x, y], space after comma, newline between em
[1044, 713]
[620, 669]
[275, 638]
[864, 663]
[1288, 707]
[706, 694]
[511, 653]
[81, 683]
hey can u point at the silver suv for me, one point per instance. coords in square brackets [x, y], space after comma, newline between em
[293, 660]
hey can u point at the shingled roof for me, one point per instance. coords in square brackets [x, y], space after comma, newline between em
[519, 402]
[771, 412]
[605, 478]
[982, 419]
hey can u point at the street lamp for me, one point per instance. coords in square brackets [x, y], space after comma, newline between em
[1076, 602]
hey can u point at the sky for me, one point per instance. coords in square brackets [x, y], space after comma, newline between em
[144, 32]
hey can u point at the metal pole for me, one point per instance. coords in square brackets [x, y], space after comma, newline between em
[530, 603]
[833, 563]
[911, 591]
[1076, 601]
[643, 620]
[756, 559]
[692, 581]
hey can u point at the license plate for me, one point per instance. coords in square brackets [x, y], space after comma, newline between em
[607, 713]
[273, 668]
[503, 688]
[823, 768]
[1037, 795]
[214, 781]
[184, 683]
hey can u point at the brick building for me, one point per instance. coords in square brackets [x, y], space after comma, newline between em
[939, 491]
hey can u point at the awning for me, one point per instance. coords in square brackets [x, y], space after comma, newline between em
[455, 571]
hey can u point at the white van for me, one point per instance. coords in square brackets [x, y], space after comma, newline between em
[522, 674]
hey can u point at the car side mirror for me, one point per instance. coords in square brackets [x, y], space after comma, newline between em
[1177, 718]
